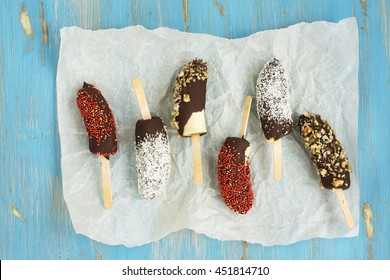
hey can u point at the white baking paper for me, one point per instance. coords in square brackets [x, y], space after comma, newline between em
[321, 60]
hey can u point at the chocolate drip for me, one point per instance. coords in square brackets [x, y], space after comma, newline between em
[196, 92]
[275, 130]
[333, 166]
[189, 93]
[148, 127]
[238, 147]
[98, 120]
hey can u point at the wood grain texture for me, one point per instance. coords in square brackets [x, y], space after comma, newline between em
[278, 159]
[30, 171]
[197, 159]
[245, 116]
[106, 182]
[344, 207]
[141, 98]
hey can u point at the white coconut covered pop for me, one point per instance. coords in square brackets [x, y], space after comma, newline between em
[152, 156]
[152, 150]
[273, 108]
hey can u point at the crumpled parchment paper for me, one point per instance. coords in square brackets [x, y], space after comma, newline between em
[321, 60]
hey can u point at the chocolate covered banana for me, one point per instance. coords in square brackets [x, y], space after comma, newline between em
[328, 155]
[273, 107]
[326, 151]
[152, 149]
[98, 120]
[189, 95]
[152, 156]
[101, 127]
[234, 175]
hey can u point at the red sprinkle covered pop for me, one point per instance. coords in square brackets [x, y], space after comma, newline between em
[98, 120]
[100, 125]
[234, 174]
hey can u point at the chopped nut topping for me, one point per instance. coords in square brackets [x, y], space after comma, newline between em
[337, 182]
[307, 130]
[327, 152]
[186, 98]
[191, 71]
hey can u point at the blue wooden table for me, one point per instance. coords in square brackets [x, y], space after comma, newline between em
[35, 222]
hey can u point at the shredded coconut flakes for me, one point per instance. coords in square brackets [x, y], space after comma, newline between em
[153, 165]
[272, 93]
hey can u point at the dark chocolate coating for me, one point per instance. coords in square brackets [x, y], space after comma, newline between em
[98, 120]
[327, 181]
[189, 93]
[275, 130]
[151, 127]
[238, 146]
[273, 101]
[197, 93]
[234, 175]
[326, 150]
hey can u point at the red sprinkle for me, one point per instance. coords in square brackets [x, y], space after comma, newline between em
[234, 181]
[98, 120]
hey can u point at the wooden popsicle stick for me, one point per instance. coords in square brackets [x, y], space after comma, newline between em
[344, 207]
[245, 116]
[143, 104]
[278, 159]
[107, 196]
[197, 159]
